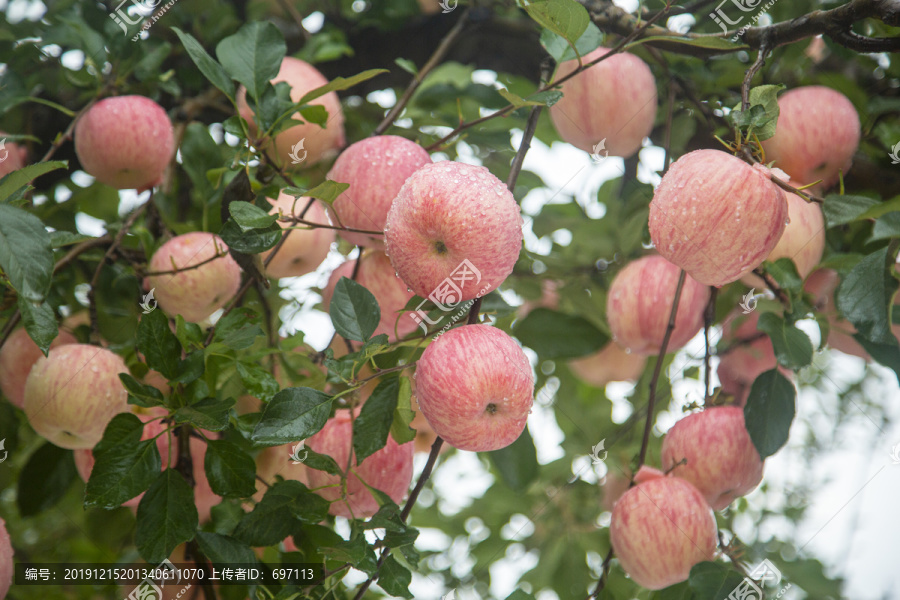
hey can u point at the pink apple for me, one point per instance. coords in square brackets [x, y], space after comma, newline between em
[447, 213]
[716, 217]
[376, 168]
[640, 300]
[803, 240]
[304, 249]
[377, 275]
[722, 461]
[196, 293]
[12, 156]
[388, 470]
[750, 355]
[308, 142]
[610, 363]
[17, 356]
[661, 528]
[822, 285]
[125, 142]
[613, 102]
[475, 387]
[71, 395]
[6, 560]
[816, 136]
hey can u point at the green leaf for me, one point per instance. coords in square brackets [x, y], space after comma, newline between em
[764, 110]
[793, 348]
[25, 254]
[566, 18]
[211, 69]
[249, 216]
[885, 354]
[561, 50]
[253, 55]
[125, 465]
[238, 329]
[257, 381]
[40, 323]
[327, 190]
[19, 178]
[713, 581]
[280, 513]
[371, 428]
[340, 83]
[141, 394]
[404, 415]
[395, 578]
[166, 517]
[785, 274]
[208, 413]
[45, 479]
[886, 227]
[708, 43]
[252, 241]
[517, 463]
[293, 414]
[315, 113]
[864, 296]
[407, 65]
[354, 310]
[769, 412]
[840, 210]
[321, 462]
[231, 471]
[556, 335]
[61, 239]
[224, 549]
[515, 100]
[158, 344]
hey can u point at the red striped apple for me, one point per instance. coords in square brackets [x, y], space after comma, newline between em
[12, 156]
[304, 249]
[376, 168]
[722, 461]
[195, 293]
[447, 213]
[640, 300]
[125, 142]
[17, 356]
[72, 394]
[388, 470]
[613, 102]
[475, 387]
[661, 528]
[6, 560]
[610, 363]
[816, 136]
[750, 356]
[308, 143]
[716, 217]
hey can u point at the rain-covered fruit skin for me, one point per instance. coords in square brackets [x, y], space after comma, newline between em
[197, 293]
[446, 213]
[640, 300]
[615, 101]
[13, 155]
[750, 355]
[304, 249]
[661, 528]
[716, 217]
[722, 462]
[318, 143]
[17, 356]
[475, 387]
[803, 240]
[388, 470]
[72, 394]
[377, 275]
[6, 560]
[125, 142]
[610, 363]
[816, 137]
[376, 168]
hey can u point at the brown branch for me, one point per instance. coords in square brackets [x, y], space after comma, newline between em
[751, 72]
[177, 269]
[709, 316]
[314, 225]
[519, 159]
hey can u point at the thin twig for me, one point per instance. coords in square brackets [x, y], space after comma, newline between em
[709, 315]
[524, 146]
[67, 134]
[314, 225]
[751, 72]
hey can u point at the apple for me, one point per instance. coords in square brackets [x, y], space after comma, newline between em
[610, 363]
[304, 249]
[613, 102]
[803, 240]
[309, 142]
[640, 300]
[816, 136]
[72, 394]
[196, 293]
[660, 528]
[376, 168]
[822, 284]
[447, 213]
[549, 298]
[388, 470]
[716, 217]
[6, 560]
[469, 396]
[377, 275]
[125, 142]
[722, 461]
[12, 156]
[17, 356]
[745, 360]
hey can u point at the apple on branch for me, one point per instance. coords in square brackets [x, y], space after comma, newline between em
[304, 249]
[6, 560]
[17, 356]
